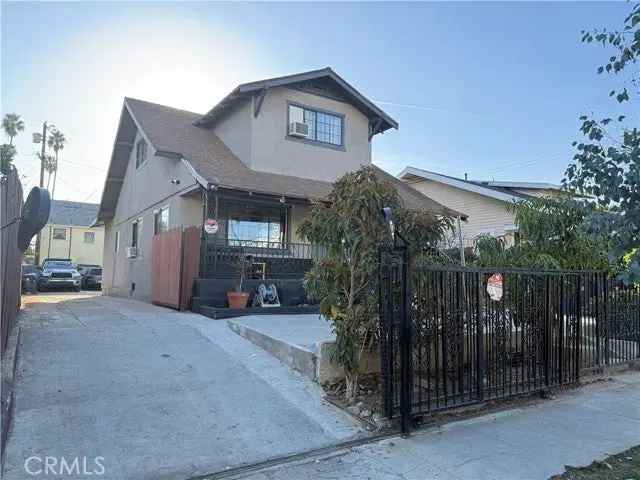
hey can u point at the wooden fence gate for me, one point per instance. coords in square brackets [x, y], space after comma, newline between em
[175, 262]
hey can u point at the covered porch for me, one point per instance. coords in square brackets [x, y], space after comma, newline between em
[262, 229]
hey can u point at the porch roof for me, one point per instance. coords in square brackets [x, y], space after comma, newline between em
[172, 133]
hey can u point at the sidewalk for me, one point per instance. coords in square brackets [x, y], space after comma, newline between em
[533, 442]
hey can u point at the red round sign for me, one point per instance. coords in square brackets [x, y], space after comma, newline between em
[211, 226]
[494, 287]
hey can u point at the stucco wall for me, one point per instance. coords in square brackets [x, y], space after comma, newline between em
[274, 152]
[486, 215]
[298, 213]
[262, 144]
[144, 191]
[73, 246]
[235, 130]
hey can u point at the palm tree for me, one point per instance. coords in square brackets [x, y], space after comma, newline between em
[56, 142]
[12, 124]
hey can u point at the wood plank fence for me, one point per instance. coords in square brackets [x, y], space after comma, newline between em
[175, 263]
[11, 201]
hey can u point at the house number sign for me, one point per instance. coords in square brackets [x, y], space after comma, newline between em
[211, 226]
[494, 287]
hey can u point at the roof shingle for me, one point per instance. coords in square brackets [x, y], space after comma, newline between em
[172, 131]
[64, 212]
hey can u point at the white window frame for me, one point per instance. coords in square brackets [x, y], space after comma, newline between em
[139, 223]
[156, 217]
[58, 229]
[93, 237]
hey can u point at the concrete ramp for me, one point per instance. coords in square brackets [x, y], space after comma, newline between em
[295, 340]
[303, 342]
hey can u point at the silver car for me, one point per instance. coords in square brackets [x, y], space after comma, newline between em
[58, 273]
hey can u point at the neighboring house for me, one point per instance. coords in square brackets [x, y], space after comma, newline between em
[251, 166]
[69, 233]
[485, 202]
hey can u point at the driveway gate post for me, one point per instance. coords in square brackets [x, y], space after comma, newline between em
[406, 380]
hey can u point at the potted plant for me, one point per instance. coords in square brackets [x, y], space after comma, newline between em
[237, 298]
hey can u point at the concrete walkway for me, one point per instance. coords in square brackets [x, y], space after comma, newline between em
[529, 443]
[158, 394]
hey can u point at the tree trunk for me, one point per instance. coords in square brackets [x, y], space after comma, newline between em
[351, 379]
[53, 190]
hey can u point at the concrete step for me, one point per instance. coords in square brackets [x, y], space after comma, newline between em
[300, 358]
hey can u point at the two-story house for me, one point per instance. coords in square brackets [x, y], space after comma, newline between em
[248, 169]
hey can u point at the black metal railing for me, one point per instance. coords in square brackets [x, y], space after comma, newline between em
[539, 330]
[267, 259]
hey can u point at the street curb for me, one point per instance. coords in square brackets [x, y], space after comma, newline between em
[8, 373]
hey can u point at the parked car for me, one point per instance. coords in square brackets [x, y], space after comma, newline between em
[92, 278]
[30, 274]
[59, 272]
[83, 268]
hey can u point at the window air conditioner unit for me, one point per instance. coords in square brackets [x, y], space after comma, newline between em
[299, 129]
[131, 252]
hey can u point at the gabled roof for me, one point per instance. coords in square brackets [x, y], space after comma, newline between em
[172, 133]
[381, 120]
[523, 185]
[68, 213]
[481, 188]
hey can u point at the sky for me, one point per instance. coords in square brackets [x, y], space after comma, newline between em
[490, 89]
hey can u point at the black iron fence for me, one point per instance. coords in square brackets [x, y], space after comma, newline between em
[471, 334]
[266, 259]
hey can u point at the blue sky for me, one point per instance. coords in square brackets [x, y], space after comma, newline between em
[489, 89]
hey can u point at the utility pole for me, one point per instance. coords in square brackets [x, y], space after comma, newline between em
[42, 153]
[43, 141]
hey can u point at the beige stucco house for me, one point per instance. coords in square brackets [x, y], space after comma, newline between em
[485, 202]
[70, 234]
[250, 167]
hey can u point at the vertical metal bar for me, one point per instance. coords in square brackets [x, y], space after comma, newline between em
[578, 335]
[562, 332]
[606, 324]
[479, 340]
[405, 348]
[546, 336]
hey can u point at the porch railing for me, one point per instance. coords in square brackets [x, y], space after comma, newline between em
[267, 259]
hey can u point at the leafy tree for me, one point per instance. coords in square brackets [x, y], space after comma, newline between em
[55, 142]
[7, 154]
[606, 165]
[12, 124]
[552, 235]
[350, 229]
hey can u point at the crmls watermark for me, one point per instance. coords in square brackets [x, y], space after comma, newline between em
[62, 466]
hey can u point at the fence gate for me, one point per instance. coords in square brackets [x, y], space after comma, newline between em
[175, 257]
[456, 336]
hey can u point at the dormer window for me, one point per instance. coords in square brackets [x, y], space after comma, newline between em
[141, 152]
[321, 126]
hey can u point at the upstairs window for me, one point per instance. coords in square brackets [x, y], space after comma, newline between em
[141, 152]
[89, 237]
[323, 127]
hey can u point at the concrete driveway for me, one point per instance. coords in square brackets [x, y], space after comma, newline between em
[156, 393]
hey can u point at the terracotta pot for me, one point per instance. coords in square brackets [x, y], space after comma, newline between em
[237, 299]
